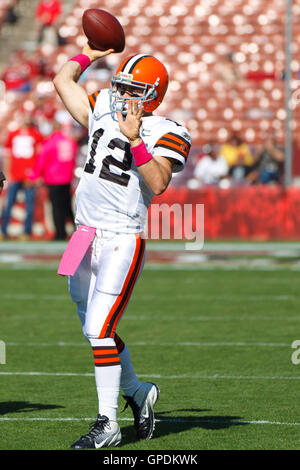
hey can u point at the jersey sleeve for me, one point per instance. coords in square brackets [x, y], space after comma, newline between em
[174, 144]
[92, 100]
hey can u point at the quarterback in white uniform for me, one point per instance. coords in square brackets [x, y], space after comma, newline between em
[131, 157]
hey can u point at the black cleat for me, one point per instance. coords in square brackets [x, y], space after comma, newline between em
[104, 433]
[142, 404]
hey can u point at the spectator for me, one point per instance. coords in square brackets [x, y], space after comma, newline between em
[238, 157]
[43, 113]
[47, 13]
[55, 166]
[212, 167]
[2, 179]
[268, 161]
[228, 70]
[11, 17]
[20, 153]
[15, 76]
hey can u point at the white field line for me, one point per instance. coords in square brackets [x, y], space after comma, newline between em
[157, 376]
[219, 267]
[199, 318]
[165, 267]
[203, 318]
[230, 298]
[163, 420]
[34, 297]
[148, 343]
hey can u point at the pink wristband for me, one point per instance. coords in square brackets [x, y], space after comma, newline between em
[83, 60]
[140, 154]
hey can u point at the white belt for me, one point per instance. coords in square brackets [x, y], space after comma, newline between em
[100, 233]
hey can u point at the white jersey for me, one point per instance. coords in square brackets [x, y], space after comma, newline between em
[111, 194]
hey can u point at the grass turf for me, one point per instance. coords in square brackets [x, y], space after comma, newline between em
[217, 343]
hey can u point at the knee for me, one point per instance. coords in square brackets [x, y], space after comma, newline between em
[96, 320]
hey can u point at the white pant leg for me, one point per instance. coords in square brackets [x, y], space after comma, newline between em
[81, 286]
[116, 264]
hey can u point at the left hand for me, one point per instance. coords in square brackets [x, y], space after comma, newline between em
[95, 54]
[130, 127]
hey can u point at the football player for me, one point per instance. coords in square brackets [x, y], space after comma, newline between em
[131, 157]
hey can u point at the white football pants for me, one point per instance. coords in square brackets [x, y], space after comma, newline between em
[104, 280]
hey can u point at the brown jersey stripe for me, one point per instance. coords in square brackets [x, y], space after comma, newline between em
[180, 143]
[180, 146]
[174, 142]
[170, 146]
[92, 99]
[167, 139]
[177, 138]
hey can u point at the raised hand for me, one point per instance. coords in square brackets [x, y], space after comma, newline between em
[95, 54]
[130, 127]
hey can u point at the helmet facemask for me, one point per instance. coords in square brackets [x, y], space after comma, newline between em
[138, 91]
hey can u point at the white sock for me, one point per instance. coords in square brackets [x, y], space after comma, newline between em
[107, 376]
[129, 381]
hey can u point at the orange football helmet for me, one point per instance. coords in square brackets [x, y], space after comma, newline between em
[144, 77]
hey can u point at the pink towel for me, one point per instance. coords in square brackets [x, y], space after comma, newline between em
[76, 249]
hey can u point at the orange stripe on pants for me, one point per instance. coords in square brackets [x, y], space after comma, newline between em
[122, 299]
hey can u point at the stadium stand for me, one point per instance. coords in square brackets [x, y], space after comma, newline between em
[195, 40]
[226, 61]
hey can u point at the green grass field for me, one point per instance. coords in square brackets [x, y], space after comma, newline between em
[217, 343]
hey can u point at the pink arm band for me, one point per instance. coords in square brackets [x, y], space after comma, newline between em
[140, 154]
[83, 60]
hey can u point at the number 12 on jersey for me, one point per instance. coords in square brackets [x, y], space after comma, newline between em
[108, 161]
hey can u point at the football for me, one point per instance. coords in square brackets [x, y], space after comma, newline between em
[103, 30]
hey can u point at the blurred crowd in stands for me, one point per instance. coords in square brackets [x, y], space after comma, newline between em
[235, 163]
[43, 144]
[49, 137]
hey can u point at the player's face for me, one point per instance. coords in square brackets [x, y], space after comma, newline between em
[128, 91]
[123, 91]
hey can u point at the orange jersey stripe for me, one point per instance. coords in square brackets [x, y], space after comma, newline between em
[174, 142]
[92, 102]
[168, 143]
[183, 150]
[175, 137]
[92, 99]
